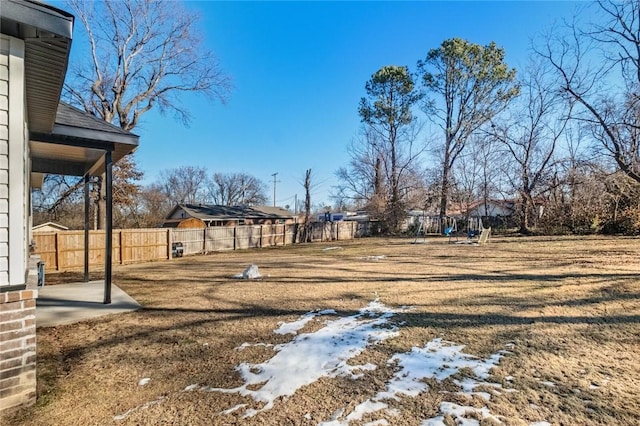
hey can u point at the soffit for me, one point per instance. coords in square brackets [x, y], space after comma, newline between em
[78, 143]
[47, 33]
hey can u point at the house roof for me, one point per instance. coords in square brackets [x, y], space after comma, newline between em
[50, 225]
[77, 144]
[47, 33]
[206, 212]
[64, 140]
[507, 204]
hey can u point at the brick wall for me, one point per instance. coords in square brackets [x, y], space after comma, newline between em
[17, 348]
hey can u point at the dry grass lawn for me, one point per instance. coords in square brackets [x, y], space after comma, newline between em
[569, 306]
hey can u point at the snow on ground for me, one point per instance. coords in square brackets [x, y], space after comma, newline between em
[250, 273]
[140, 408]
[326, 352]
[295, 326]
[378, 257]
[460, 413]
[311, 356]
[437, 360]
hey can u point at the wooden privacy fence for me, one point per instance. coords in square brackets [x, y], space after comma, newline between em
[64, 250]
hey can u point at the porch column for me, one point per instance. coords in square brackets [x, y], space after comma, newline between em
[86, 229]
[108, 181]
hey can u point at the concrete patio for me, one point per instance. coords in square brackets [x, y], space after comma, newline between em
[69, 303]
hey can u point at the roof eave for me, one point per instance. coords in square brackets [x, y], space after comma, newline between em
[47, 33]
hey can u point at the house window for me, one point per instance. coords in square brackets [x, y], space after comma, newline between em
[240, 222]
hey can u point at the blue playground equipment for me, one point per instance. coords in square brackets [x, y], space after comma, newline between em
[451, 230]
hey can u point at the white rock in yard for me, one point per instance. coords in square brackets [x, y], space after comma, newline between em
[251, 273]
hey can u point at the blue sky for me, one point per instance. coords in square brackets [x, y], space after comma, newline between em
[299, 70]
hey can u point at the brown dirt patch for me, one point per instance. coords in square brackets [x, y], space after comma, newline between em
[571, 306]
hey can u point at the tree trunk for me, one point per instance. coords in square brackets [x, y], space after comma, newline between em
[444, 190]
[99, 216]
[524, 214]
[307, 206]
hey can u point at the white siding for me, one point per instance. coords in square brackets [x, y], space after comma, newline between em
[14, 194]
[179, 214]
[4, 159]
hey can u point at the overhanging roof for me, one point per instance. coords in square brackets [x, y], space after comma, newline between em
[209, 213]
[47, 33]
[63, 139]
[77, 144]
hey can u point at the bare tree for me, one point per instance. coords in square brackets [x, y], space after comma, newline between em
[143, 54]
[366, 181]
[489, 165]
[466, 177]
[153, 206]
[530, 135]
[306, 229]
[362, 181]
[606, 90]
[233, 189]
[58, 201]
[185, 184]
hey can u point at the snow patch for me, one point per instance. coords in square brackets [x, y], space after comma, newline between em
[380, 257]
[248, 345]
[139, 408]
[437, 360]
[464, 415]
[250, 273]
[327, 352]
[293, 327]
[310, 356]
[234, 408]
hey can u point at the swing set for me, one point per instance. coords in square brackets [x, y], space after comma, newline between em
[448, 227]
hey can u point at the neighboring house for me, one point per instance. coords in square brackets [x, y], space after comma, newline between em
[38, 135]
[190, 223]
[212, 215]
[492, 208]
[49, 227]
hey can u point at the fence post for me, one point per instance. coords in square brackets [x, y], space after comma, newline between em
[121, 244]
[261, 235]
[169, 243]
[57, 255]
[234, 237]
[204, 240]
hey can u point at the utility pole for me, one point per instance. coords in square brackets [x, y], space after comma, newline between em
[274, 187]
